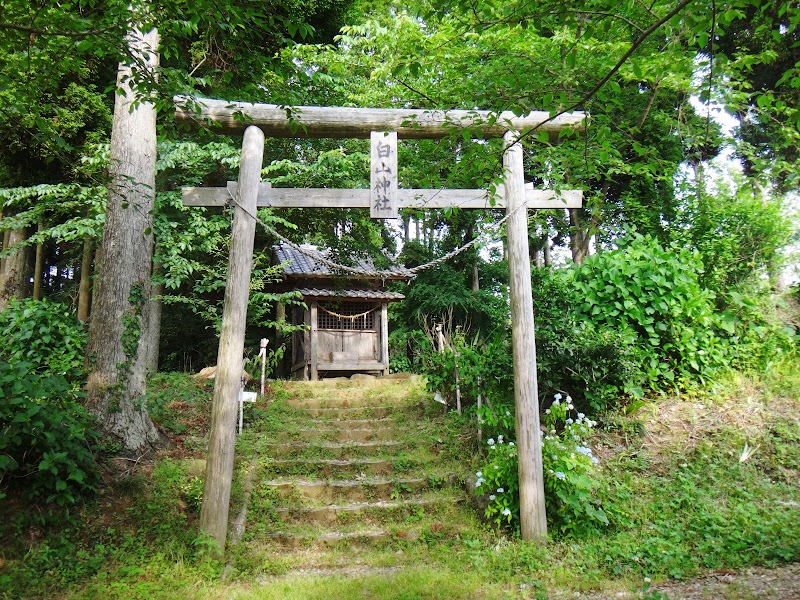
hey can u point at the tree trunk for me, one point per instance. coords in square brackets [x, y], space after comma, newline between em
[3, 245]
[38, 269]
[537, 258]
[12, 274]
[578, 239]
[85, 287]
[280, 320]
[116, 356]
[548, 261]
[151, 336]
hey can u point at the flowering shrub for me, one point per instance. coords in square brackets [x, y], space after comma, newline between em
[498, 480]
[568, 464]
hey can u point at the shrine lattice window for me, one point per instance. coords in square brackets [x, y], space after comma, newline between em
[352, 316]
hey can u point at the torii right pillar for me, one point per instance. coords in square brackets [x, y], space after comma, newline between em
[533, 521]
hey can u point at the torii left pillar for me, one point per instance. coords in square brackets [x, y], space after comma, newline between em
[219, 462]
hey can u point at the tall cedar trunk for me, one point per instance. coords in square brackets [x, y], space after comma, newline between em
[151, 336]
[14, 268]
[536, 258]
[3, 244]
[280, 320]
[85, 287]
[38, 269]
[116, 355]
[579, 238]
[548, 261]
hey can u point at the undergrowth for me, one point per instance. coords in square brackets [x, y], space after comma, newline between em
[724, 497]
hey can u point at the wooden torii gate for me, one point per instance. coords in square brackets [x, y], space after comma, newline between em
[259, 120]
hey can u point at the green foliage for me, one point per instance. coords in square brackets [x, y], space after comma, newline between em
[179, 403]
[737, 234]
[573, 506]
[47, 439]
[653, 292]
[756, 329]
[596, 364]
[570, 490]
[484, 367]
[43, 334]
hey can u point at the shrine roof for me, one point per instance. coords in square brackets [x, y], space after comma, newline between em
[351, 294]
[303, 264]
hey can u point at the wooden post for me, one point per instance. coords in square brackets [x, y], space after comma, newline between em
[529, 444]
[480, 404]
[385, 337]
[383, 175]
[38, 269]
[458, 386]
[263, 354]
[219, 464]
[313, 342]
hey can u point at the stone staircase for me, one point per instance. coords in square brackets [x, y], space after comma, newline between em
[348, 464]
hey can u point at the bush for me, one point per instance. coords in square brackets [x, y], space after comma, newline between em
[43, 334]
[484, 367]
[46, 436]
[568, 462]
[598, 366]
[756, 334]
[653, 293]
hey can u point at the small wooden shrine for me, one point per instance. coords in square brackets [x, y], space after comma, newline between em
[346, 316]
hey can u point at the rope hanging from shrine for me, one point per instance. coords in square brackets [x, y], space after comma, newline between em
[385, 274]
[350, 317]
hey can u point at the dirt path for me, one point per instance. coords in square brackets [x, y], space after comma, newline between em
[782, 583]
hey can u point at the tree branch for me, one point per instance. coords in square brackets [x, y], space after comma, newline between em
[598, 86]
[46, 32]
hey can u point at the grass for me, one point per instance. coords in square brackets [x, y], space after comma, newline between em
[690, 484]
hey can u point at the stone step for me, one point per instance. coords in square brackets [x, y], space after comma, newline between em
[346, 434]
[363, 489]
[319, 535]
[329, 468]
[351, 401]
[347, 414]
[331, 450]
[350, 571]
[363, 512]
[330, 539]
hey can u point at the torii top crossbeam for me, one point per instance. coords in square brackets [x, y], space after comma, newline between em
[345, 122]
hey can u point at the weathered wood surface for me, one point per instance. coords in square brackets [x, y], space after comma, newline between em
[529, 444]
[313, 340]
[356, 365]
[420, 198]
[219, 464]
[342, 122]
[383, 175]
[384, 333]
